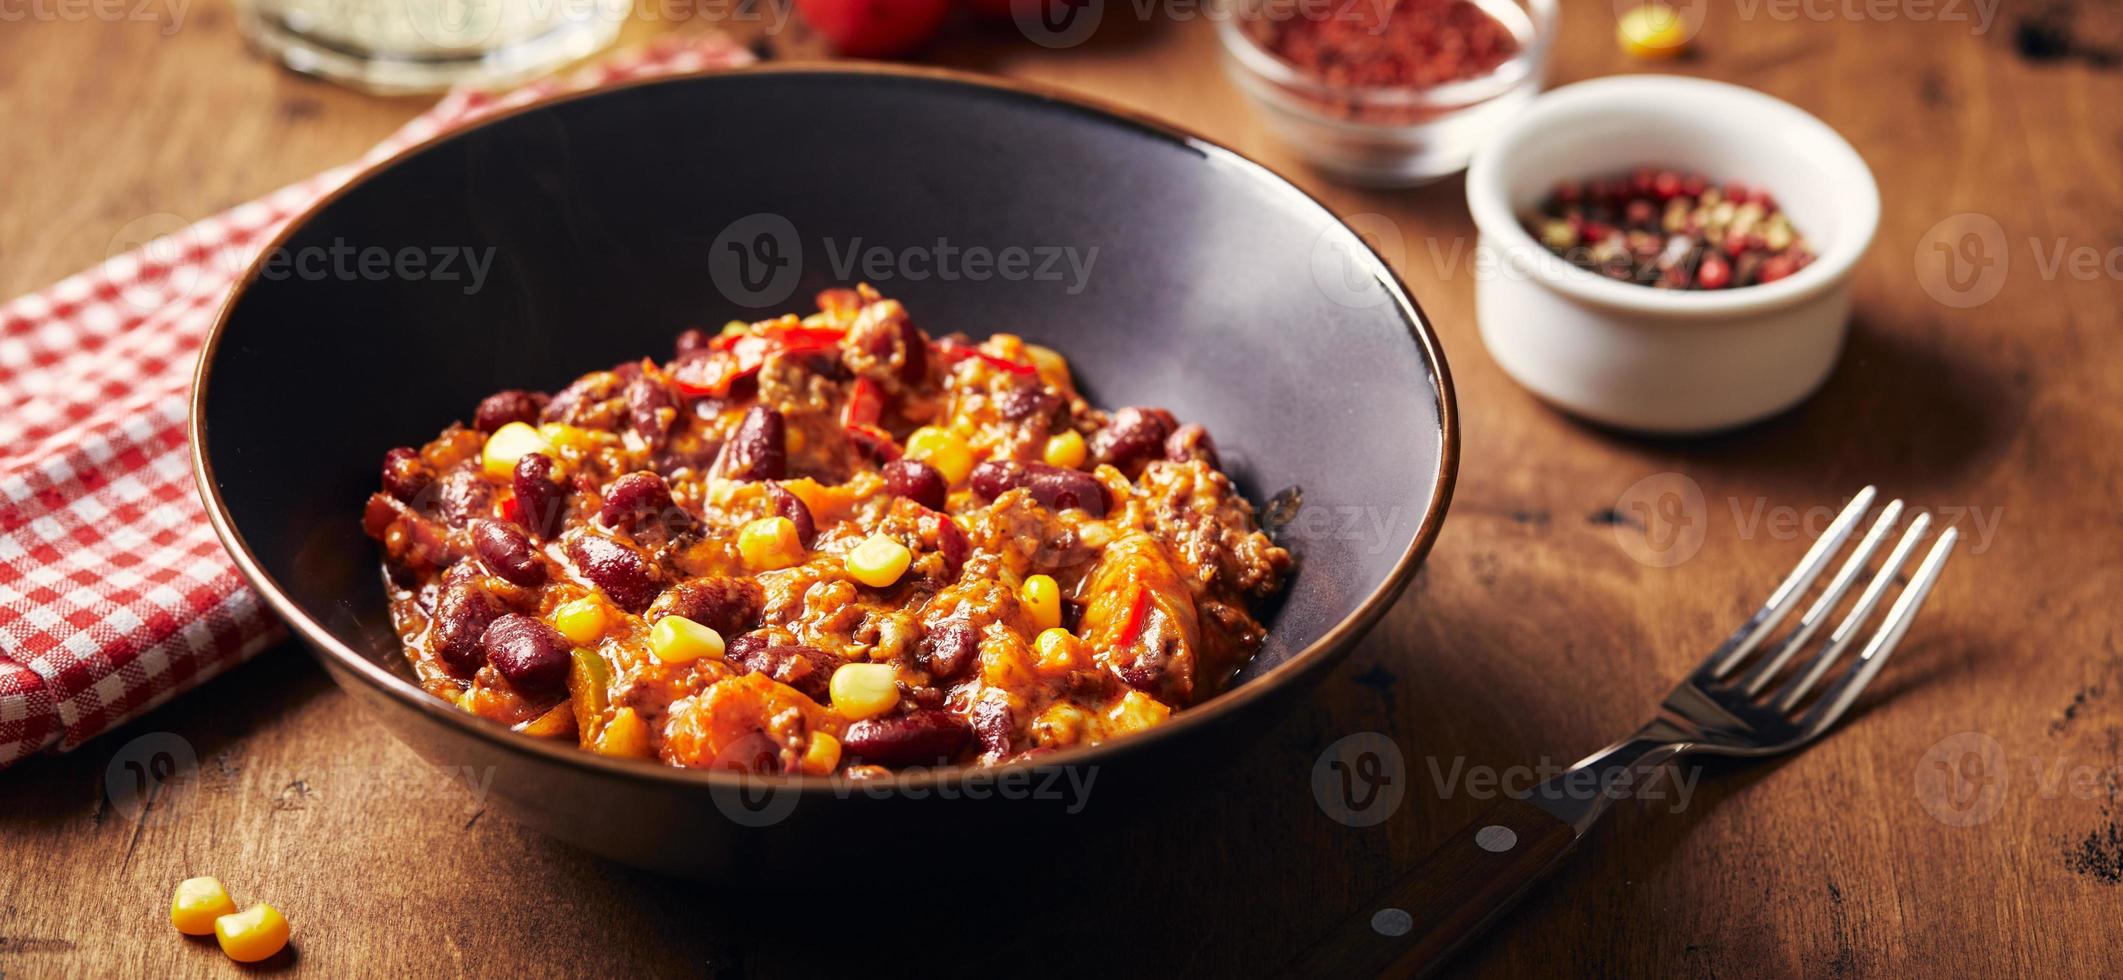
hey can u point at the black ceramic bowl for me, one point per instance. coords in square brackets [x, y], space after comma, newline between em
[617, 219]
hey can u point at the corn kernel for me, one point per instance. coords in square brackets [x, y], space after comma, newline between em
[1056, 649]
[678, 640]
[565, 436]
[770, 543]
[509, 444]
[582, 620]
[1041, 599]
[1065, 450]
[943, 449]
[626, 735]
[734, 328]
[821, 755]
[253, 934]
[198, 902]
[877, 562]
[864, 690]
[1653, 30]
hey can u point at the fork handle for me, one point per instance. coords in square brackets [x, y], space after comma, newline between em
[1451, 896]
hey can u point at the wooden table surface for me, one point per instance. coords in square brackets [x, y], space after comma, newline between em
[1966, 821]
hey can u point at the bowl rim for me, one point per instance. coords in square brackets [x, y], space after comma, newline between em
[1289, 81]
[1330, 646]
[1495, 220]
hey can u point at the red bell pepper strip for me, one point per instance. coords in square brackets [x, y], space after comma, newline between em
[742, 354]
[1138, 611]
[866, 404]
[956, 352]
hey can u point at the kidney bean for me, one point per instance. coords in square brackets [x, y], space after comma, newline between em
[541, 501]
[651, 408]
[1192, 441]
[728, 605]
[950, 542]
[1028, 401]
[916, 348]
[530, 655]
[1134, 434]
[948, 650]
[464, 496]
[509, 553]
[914, 738]
[623, 572]
[791, 506]
[758, 450]
[461, 617]
[993, 725]
[503, 407]
[917, 481]
[692, 340]
[807, 669]
[740, 649]
[405, 475]
[634, 496]
[1052, 486]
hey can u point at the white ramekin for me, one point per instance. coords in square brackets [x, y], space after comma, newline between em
[1656, 360]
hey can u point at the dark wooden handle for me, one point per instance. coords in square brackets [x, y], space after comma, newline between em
[1448, 898]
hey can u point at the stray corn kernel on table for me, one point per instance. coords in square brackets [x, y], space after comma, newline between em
[382, 864]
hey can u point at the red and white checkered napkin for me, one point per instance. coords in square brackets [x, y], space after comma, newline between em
[114, 593]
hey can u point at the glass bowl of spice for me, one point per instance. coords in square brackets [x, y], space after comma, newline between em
[1387, 92]
[1666, 254]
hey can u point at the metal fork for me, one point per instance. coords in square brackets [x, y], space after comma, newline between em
[1455, 892]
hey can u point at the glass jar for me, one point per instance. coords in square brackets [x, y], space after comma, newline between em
[1385, 135]
[407, 46]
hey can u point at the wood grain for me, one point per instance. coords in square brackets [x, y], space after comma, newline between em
[1966, 821]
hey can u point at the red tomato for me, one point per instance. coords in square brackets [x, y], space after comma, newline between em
[990, 9]
[874, 28]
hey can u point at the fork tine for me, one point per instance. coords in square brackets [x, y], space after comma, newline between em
[1846, 632]
[1761, 674]
[1743, 641]
[1839, 698]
